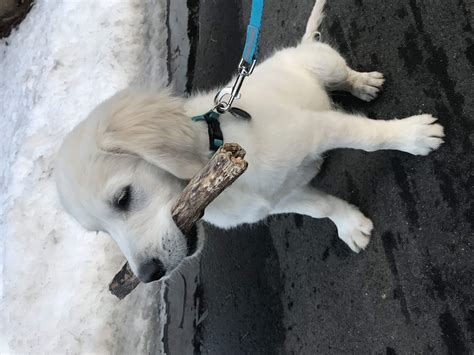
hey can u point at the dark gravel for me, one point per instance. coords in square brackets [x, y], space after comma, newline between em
[290, 285]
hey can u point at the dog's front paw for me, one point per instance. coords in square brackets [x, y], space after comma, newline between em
[354, 229]
[419, 135]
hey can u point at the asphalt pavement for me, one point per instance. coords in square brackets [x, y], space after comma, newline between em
[289, 285]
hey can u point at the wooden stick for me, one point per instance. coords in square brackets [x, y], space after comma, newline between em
[226, 165]
[221, 171]
[123, 282]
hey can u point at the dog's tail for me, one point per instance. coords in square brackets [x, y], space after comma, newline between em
[314, 21]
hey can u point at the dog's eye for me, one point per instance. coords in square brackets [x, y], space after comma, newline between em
[123, 198]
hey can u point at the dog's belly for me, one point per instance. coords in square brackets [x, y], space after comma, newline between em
[230, 210]
[252, 198]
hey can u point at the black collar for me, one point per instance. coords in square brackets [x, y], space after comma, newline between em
[216, 138]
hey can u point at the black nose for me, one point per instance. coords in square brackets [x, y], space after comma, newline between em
[151, 270]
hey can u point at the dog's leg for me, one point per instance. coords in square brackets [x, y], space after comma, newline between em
[331, 69]
[418, 135]
[330, 66]
[352, 226]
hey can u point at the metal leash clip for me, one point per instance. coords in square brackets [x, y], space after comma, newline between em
[221, 103]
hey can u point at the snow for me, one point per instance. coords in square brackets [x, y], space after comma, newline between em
[66, 57]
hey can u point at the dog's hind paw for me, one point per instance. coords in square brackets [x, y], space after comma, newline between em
[354, 229]
[366, 86]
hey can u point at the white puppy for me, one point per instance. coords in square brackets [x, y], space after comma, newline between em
[122, 168]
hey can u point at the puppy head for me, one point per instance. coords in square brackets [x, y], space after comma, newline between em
[120, 171]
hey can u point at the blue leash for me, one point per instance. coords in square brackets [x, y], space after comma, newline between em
[253, 33]
[225, 98]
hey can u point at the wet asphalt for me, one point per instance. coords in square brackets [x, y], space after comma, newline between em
[289, 285]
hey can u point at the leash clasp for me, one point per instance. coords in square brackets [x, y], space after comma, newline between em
[221, 104]
[245, 68]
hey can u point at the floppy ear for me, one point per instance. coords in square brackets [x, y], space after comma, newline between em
[152, 126]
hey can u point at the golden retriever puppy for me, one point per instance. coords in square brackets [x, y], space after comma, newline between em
[121, 169]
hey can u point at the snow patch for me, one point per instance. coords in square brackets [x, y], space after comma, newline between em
[66, 57]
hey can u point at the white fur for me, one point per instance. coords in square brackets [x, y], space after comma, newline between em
[147, 140]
